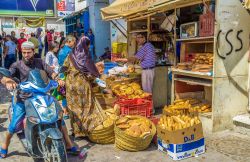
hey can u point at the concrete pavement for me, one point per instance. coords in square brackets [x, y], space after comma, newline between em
[227, 146]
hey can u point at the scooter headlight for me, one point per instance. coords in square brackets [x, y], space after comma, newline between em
[47, 113]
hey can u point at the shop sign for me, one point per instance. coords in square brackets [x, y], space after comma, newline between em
[137, 5]
[43, 8]
[65, 7]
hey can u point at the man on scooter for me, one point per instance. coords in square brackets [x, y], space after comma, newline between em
[20, 70]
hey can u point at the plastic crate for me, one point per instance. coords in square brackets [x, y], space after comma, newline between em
[118, 47]
[108, 66]
[142, 107]
[149, 98]
[206, 25]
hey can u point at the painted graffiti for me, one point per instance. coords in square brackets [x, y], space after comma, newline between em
[228, 33]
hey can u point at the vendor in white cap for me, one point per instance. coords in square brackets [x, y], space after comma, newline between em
[20, 70]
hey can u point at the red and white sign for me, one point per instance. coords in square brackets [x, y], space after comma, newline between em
[61, 6]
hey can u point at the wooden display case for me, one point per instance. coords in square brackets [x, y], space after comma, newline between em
[225, 87]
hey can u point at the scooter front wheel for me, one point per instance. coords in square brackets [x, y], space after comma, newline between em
[57, 151]
[54, 151]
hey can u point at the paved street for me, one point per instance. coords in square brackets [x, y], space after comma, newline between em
[227, 146]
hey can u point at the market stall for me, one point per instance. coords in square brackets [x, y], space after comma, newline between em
[133, 132]
[204, 44]
[206, 66]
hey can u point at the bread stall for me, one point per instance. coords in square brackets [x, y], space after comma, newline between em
[211, 65]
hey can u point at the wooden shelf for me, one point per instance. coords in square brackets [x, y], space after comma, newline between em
[138, 31]
[191, 73]
[158, 31]
[197, 40]
[195, 81]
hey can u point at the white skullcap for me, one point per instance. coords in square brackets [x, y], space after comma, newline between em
[29, 45]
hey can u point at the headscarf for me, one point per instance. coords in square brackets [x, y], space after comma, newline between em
[81, 58]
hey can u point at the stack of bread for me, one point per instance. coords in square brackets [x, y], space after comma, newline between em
[135, 127]
[203, 62]
[131, 91]
[188, 105]
[173, 123]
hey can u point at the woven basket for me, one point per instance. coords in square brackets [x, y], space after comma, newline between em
[126, 142]
[103, 136]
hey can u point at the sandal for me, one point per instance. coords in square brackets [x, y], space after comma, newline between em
[3, 153]
[73, 151]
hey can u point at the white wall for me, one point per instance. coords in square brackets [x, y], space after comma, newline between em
[116, 35]
[101, 29]
[80, 4]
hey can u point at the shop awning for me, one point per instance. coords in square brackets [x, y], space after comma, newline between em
[172, 4]
[137, 8]
[75, 13]
[124, 8]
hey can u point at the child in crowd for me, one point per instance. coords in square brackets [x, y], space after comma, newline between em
[51, 57]
[52, 60]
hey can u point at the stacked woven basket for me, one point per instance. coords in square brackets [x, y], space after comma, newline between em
[129, 133]
[127, 142]
[103, 136]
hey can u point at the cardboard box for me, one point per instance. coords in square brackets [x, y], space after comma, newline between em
[181, 136]
[182, 151]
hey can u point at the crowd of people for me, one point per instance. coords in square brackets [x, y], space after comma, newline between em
[76, 82]
[12, 51]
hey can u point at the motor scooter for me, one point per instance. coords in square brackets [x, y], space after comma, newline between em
[43, 138]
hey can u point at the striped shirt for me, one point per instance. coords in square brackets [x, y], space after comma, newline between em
[146, 54]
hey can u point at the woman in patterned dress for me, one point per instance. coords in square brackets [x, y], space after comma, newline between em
[81, 72]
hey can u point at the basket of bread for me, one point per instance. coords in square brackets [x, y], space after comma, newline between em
[134, 133]
[104, 132]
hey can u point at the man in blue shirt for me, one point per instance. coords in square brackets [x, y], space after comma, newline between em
[63, 54]
[91, 37]
[39, 37]
[146, 55]
[9, 52]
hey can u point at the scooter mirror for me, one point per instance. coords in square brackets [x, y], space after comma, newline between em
[5, 72]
